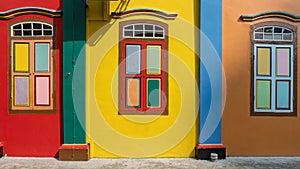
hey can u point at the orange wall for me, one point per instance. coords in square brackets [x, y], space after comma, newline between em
[245, 135]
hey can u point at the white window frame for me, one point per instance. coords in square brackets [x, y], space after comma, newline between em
[154, 31]
[32, 29]
[273, 34]
[273, 77]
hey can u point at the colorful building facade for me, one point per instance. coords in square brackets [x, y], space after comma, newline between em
[31, 52]
[143, 79]
[260, 49]
[137, 99]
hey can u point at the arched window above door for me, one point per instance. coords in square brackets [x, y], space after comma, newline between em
[32, 29]
[143, 30]
[275, 33]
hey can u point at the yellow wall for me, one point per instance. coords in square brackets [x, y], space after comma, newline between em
[113, 135]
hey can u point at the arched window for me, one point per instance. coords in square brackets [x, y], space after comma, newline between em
[143, 30]
[32, 29]
[143, 68]
[274, 68]
[32, 68]
[274, 33]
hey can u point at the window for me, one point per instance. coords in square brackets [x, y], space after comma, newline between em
[273, 71]
[274, 33]
[31, 70]
[273, 78]
[143, 69]
[143, 31]
[32, 29]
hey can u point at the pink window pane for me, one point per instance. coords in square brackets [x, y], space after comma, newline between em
[42, 90]
[283, 61]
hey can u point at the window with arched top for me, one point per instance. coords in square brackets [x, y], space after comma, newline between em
[143, 30]
[32, 71]
[32, 29]
[274, 33]
[274, 67]
[143, 65]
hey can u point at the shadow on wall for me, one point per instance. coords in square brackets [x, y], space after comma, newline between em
[197, 63]
[122, 6]
[104, 24]
[98, 35]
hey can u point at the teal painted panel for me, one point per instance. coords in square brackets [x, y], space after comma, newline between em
[74, 40]
[79, 96]
[153, 92]
[42, 57]
[67, 102]
[74, 109]
[282, 94]
[263, 94]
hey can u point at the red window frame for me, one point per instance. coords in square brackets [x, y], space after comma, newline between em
[143, 76]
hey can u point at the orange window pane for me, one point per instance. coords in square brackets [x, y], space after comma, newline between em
[132, 92]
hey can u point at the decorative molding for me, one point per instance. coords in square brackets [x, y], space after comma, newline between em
[9, 14]
[153, 12]
[271, 14]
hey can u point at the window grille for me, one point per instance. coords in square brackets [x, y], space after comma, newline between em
[31, 29]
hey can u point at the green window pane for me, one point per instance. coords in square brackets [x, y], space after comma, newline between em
[282, 94]
[153, 92]
[153, 59]
[42, 57]
[133, 59]
[21, 57]
[263, 61]
[263, 94]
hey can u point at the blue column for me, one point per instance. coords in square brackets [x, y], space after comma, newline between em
[210, 72]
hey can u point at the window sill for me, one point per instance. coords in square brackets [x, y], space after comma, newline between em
[279, 114]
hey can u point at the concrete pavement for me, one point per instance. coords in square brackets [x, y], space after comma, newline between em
[155, 163]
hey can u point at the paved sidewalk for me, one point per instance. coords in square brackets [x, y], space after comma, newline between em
[161, 163]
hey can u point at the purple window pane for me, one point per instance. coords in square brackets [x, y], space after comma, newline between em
[21, 91]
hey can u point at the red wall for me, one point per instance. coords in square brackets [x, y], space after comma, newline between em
[11, 4]
[29, 134]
